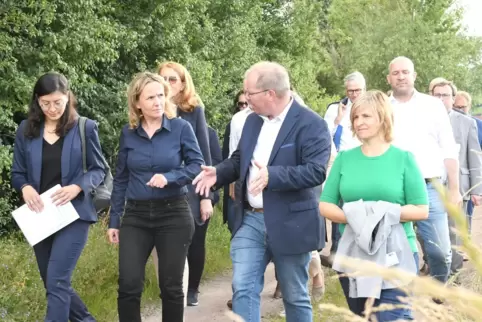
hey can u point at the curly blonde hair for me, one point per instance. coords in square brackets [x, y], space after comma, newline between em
[136, 87]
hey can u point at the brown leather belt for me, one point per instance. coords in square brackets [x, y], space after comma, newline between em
[249, 208]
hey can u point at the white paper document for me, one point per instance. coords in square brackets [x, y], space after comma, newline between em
[38, 226]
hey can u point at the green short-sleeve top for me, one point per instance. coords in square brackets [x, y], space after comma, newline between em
[393, 177]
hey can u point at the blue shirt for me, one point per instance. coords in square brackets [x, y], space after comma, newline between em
[172, 151]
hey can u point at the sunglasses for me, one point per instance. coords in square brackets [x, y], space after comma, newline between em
[170, 79]
[242, 104]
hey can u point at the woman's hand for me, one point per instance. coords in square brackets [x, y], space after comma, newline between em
[157, 181]
[206, 209]
[32, 199]
[65, 194]
[113, 235]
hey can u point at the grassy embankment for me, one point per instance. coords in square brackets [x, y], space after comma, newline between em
[22, 295]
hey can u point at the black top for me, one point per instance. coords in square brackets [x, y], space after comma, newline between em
[51, 165]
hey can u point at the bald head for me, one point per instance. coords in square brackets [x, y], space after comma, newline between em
[401, 77]
[270, 76]
[402, 60]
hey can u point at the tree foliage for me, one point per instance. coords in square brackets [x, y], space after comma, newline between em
[100, 44]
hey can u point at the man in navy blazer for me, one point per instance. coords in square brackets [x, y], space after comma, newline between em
[281, 158]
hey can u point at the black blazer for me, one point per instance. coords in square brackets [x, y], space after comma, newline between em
[215, 154]
[197, 120]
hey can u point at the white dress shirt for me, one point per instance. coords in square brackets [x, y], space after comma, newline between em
[237, 124]
[266, 139]
[422, 126]
[347, 141]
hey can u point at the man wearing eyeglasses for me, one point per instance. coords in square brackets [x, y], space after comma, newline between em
[280, 159]
[337, 117]
[470, 163]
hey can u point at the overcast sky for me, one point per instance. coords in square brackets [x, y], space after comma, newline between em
[473, 16]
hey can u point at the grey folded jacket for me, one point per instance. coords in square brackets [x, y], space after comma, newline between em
[374, 233]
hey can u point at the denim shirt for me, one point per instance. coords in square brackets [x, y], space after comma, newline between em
[172, 151]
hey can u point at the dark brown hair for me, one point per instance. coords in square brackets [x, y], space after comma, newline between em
[47, 84]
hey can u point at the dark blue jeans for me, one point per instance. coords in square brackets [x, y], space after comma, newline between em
[389, 296]
[470, 211]
[57, 257]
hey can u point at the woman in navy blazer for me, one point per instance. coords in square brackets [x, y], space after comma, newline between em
[188, 104]
[47, 152]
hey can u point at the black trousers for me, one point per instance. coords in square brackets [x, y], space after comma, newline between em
[196, 256]
[167, 225]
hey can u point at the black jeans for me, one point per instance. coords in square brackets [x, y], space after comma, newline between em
[196, 256]
[168, 225]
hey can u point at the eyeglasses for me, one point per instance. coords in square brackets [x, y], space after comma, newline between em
[58, 104]
[242, 104]
[354, 91]
[248, 94]
[170, 79]
[442, 95]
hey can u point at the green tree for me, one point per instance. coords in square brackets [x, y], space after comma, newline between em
[366, 35]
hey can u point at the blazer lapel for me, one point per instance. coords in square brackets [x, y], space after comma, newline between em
[36, 146]
[286, 128]
[67, 151]
[251, 142]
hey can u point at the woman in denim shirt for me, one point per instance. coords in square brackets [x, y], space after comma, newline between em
[158, 156]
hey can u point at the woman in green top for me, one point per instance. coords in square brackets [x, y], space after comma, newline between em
[376, 171]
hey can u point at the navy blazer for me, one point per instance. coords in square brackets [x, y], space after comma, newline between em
[296, 166]
[479, 129]
[27, 164]
[226, 197]
[197, 119]
[216, 155]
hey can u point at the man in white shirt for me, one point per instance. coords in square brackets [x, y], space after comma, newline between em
[337, 114]
[337, 117]
[422, 126]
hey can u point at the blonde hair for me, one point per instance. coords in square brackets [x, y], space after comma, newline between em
[187, 99]
[380, 104]
[136, 87]
[441, 82]
[467, 97]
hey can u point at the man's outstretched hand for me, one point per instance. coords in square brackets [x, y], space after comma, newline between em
[205, 180]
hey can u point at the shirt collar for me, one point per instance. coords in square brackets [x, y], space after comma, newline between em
[393, 100]
[282, 116]
[166, 124]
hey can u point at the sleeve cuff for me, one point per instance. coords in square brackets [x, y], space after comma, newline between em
[114, 222]
[170, 178]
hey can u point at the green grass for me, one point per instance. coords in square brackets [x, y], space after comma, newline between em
[22, 295]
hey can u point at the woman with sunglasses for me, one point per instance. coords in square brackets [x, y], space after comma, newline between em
[47, 153]
[189, 107]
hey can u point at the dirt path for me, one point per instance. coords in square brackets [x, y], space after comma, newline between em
[214, 295]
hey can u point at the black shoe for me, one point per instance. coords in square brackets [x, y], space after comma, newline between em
[192, 298]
